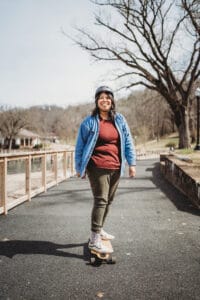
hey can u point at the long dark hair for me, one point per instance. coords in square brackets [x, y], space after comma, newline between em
[112, 111]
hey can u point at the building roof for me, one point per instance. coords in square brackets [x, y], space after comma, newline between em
[27, 133]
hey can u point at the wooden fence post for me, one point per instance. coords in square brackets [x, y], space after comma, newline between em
[56, 167]
[72, 163]
[1, 183]
[44, 171]
[65, 164]
[4, 185]
[28, 177]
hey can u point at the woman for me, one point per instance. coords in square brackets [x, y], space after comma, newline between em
[104, 142]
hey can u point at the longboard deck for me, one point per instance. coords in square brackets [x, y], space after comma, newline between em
[97, 257]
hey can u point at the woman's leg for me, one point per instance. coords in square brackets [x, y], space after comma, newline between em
[100, 185]
[114, 182]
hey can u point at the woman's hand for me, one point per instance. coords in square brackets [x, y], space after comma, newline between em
[132, 171]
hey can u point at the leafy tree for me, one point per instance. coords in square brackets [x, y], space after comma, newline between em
[157, 43]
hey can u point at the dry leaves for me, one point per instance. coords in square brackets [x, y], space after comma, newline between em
[100, 294]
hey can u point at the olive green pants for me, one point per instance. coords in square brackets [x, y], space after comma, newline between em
[104, 184]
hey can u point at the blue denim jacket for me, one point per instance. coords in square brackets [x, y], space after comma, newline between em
[87, 138]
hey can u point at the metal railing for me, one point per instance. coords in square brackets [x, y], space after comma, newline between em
[25, 175]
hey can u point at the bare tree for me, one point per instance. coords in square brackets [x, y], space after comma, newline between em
[11, 121]
[193, 13]
[158, 44]
[147, 110]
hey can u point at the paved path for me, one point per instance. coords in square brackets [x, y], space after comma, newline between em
[43, 252]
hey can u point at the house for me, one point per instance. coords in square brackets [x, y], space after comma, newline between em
[27, 138]
[24, 139]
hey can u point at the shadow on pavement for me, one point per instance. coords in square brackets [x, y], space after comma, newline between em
[13, 247]
[179, 200]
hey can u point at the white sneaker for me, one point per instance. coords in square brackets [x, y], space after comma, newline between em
[96, 244]
[106, 236]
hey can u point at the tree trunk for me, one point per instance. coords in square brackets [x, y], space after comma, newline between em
[192, 130]
[10, 144]
[182, 122]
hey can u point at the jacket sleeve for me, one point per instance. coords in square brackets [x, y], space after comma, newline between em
[80, 144]
[130, 153]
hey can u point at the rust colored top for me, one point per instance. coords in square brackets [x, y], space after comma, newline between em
[106, 154]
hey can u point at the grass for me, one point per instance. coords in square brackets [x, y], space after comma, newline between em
[159, 144]
[164, 145]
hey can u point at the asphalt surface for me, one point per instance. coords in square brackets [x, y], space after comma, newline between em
[43, 244]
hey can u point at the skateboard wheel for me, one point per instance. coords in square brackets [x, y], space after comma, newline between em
[112, 260]
[92, 260]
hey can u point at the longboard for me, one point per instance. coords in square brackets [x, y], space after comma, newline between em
[98, 258]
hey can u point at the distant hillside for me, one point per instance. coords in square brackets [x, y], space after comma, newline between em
[148, 116]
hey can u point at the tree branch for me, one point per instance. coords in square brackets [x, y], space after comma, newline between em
[193, 11]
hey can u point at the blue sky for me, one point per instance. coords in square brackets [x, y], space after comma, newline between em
[38, 64]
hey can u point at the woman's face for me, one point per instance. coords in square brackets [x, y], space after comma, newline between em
[104, 102]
